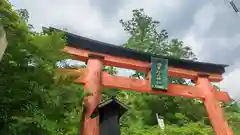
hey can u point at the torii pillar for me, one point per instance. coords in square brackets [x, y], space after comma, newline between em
[213, 108]
[93, 86]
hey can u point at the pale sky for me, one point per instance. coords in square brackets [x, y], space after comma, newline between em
[210, 27]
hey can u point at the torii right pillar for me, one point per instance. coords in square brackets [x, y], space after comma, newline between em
[214, 110]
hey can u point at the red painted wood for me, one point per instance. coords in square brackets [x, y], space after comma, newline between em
[93, 78]
[222, 96]
[139, 85]
[138, 65]
[215, 113]
[92, 85]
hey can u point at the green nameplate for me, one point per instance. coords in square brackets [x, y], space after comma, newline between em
[159, 73]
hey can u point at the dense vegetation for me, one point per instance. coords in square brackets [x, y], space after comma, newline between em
[37, 100]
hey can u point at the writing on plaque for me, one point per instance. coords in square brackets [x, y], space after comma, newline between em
[159, 73]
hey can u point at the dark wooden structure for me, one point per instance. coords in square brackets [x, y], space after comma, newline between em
[109, 113]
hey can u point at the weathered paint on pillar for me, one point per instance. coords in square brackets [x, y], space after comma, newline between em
[214, 110]
[92, 85]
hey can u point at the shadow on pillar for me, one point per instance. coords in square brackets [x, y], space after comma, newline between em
[109, 112]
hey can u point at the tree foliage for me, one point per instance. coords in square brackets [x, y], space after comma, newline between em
[144, 36]
[37, 100]
[182, 116]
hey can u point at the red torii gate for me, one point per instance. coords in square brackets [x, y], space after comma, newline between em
[96, 54]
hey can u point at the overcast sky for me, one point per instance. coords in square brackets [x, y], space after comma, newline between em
[210, 27]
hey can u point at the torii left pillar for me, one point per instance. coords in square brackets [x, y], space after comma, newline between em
[93, 86]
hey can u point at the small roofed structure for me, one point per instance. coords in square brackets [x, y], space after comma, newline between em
[109, 112]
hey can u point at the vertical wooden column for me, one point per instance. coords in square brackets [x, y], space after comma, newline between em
[93, 86]
[214, 110]
[3, 42]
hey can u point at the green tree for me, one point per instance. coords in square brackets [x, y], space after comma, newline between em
[35, 99]
[182, 116]
[145, 36]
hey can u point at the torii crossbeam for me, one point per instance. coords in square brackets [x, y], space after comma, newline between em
[97, 54]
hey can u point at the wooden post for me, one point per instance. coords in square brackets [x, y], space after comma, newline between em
[3, 42]
[109, 112]
[92, 85]
[215, 113]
